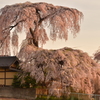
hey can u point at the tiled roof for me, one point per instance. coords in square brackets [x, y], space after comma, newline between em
[7, 61]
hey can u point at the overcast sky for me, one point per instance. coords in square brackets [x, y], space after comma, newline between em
[88, 39]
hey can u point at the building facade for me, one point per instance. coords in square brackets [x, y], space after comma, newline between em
[9, 66]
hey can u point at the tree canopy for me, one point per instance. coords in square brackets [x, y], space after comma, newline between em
[36, 19]
[62, 71]
[24, 26]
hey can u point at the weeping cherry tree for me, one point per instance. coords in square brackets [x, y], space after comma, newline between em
[26, 26]
[30, 22]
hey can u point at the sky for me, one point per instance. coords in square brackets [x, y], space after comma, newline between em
[88, 39]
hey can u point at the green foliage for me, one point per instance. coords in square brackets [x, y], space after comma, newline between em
[16, 81]
[73, 98]
[41, 98]
[28, 82]
[69, 97]
[44, 97]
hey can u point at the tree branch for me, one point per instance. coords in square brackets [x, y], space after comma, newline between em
[10, 28]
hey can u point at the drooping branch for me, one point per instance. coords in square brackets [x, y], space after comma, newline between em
[9, 29]
[97, 55]
[36, 18]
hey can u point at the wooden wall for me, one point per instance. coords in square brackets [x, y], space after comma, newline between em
[6, 76]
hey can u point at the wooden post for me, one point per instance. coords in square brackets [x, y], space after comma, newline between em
[5, 77]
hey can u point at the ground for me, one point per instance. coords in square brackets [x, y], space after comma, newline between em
[11, 99]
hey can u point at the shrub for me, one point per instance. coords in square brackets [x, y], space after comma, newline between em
[16, 81]
[45, 97]
[28, 82]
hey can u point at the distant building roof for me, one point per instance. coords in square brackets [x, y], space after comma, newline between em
[7, 61]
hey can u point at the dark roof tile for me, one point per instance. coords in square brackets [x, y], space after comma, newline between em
[6, 61]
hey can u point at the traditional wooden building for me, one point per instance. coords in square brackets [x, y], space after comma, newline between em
[9, 66]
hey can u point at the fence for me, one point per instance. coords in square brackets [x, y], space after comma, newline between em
[72, 96]
[82, 96]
